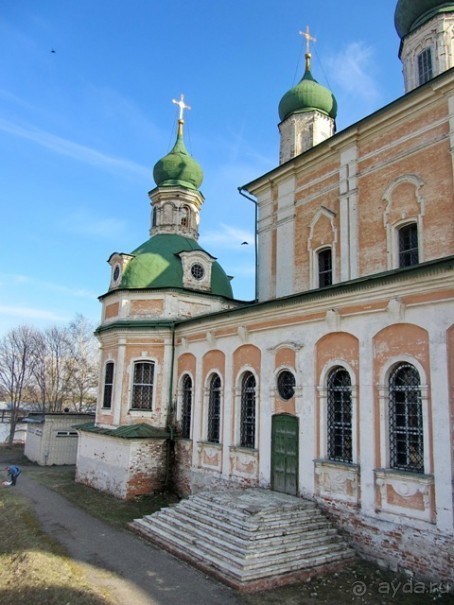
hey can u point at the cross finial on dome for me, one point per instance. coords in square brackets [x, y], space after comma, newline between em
[309, 39]
[182, 105]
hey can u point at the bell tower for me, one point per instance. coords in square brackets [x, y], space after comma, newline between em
[426, 30]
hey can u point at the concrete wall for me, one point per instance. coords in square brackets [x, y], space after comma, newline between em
[124, 468]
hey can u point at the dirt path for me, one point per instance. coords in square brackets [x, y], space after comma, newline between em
[115, 560]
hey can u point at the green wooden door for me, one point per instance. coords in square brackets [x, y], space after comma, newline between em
[284, 454]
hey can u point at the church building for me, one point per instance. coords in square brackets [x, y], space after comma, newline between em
[337, 383]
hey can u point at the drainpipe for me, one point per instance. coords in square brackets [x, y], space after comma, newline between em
[241, 191]
[170, 401]
[170, 453]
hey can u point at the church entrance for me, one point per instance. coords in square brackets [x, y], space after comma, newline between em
[284, 454]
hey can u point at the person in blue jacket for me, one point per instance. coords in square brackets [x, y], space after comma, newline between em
[13, 472]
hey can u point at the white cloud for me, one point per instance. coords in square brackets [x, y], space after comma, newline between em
[30, 313]
[69, 148]
[8, 280]
[353, 70]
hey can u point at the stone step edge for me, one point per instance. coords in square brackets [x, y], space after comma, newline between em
[221, 558]
[239, 542]
[238, 580]
[246, 522]
[250, 533]
[205, 501]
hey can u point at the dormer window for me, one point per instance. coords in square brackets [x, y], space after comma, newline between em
[197, 266]
[425, 69]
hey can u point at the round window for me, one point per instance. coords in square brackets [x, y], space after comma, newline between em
[116, 273]
[286, 385]
[197, 271]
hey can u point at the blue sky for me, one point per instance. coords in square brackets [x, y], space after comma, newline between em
[82, 127]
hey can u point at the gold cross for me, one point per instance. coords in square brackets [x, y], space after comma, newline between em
[182, 105]
[309, 39]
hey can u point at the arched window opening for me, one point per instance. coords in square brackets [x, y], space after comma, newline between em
[214, 410]
[425, 68]
[325, 267]
[184, 217]
[248, 396]
[186, 407]
[405, 420]
[339, 415]
[108, 385]
[408, 245]
[142, 387]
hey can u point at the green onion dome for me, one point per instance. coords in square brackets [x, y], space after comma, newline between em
[308, 95]
[178, 168]
[411, 14]
[157, 264]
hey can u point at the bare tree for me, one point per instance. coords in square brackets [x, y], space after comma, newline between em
[52, 370]
[17, 361]
[84, 363]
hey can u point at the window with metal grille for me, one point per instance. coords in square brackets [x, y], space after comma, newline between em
[186, 407]
[142, 387]
[405, 419]
[425, 71]
[339, 415]
[325, 268]
[408, 245]
[214, 410]
[247, 428]
[108, 385]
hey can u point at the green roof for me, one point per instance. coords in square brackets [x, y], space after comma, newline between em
[411, 14]
[131, 431]
[308, 95]
[156, 264]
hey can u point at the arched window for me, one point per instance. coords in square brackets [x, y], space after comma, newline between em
[425, 69]
[214, 410]
[339, 415]
[408, 245]
[142, 387]
[186, 407]
[405, 419]
[184, 216]
[108, 385]
[247, 427]
[325, 267]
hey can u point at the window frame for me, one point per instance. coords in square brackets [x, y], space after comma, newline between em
[336, 427]
[214, 409]
[186, 405]
[401, 433]
[248, 411]
[146, 387]
[424, 65]
[108, 386]
[322, 282]
[410, 251]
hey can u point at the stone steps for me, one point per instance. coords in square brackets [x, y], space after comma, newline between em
[237, 547]
[247, 537]
[309, 520]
